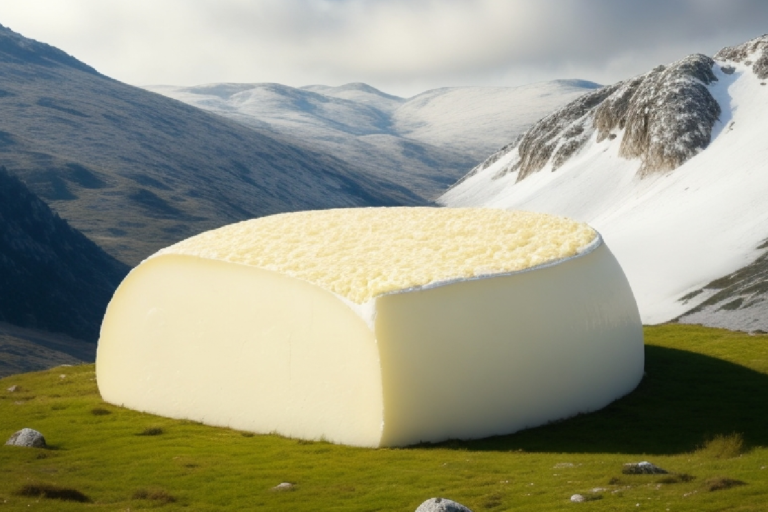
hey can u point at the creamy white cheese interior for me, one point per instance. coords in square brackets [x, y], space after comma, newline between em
[375, 327]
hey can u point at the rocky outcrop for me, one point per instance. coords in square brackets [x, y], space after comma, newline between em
[737, 301]
[666, 115]
[754, 52]
[642, 468]
[558, 136]
[663, 117]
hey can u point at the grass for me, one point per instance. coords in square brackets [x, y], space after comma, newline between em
[699, 413]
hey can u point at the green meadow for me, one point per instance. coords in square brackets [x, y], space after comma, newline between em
[701, 413]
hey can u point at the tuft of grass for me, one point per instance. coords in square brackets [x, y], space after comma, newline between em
[52, 492]
[159, 495]
[721, 483]
[151, 431]
[723, 446]
[100, 411]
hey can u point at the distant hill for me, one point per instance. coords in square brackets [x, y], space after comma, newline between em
[136, 171]
[423, 143]
[51, 276]
[29, 350]
[670, 167]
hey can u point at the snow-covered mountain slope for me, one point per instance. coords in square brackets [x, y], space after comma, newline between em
[424, 143]
[360, 93]
[478, 120]
[671, 167]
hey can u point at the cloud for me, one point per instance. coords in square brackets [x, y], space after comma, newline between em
[398, 45]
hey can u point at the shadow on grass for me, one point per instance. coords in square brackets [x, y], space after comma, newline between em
[684, 399]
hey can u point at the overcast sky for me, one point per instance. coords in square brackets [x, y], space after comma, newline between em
[399, 46]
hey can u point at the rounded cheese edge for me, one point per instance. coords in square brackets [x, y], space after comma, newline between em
[241, 347]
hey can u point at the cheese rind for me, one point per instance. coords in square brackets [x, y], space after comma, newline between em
[204, 331]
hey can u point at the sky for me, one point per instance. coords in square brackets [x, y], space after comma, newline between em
[402, 47]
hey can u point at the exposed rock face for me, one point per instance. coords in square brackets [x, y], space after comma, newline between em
[738, 301]
[51, 276]
[559, 135]
[664, 118]
[755, 50]
[27, 437]
[441, 505]
[667, 115]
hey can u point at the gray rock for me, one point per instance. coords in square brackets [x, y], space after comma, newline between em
[27, 437]
[642, 468]
[441, 505]
[285, 486]
[755, 47]
[578, 498]
[14, 388]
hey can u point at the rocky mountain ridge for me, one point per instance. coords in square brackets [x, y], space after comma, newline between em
[664, 118]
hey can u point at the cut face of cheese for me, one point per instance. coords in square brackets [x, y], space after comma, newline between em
[375, 327]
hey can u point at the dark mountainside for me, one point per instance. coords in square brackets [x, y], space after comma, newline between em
[51, 276]
[135, 171]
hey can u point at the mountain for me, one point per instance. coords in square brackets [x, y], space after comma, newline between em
[424, 143]
[51, 276]
[136, 171]
[670, 167]
[29, 350]
[479, 120]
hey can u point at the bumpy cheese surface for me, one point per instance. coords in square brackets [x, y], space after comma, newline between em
[375, 327]
[362, 253]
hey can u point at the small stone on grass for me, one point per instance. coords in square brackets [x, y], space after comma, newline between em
[642, 468]
[441, 505]
[27, 437]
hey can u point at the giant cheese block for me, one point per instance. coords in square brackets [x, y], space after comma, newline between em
[375, 326]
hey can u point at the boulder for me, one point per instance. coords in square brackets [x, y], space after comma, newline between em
[27, 437]
[441, 505]
[642, 468]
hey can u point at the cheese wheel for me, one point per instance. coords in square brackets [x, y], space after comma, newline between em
[375, 326]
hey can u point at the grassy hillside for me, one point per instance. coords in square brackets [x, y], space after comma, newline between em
[699, 413]
[136, 171]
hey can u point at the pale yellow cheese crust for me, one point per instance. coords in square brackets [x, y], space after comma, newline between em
[361, 253]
